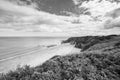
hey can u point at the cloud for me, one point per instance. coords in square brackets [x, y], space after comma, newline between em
[76, 2]
[23, 10]
[114, 13]
[25, 18]
[104, 14]
[17, 19]
[113, 19]
[112, 23]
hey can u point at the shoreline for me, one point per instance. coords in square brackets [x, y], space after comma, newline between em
[36, 57]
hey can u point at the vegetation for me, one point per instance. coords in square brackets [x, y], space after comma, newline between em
[91, 64]
[87, 42]
[73, 67]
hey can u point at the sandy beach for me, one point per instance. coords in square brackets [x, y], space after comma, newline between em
[35, 57]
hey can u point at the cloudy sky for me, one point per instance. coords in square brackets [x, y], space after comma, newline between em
[59, 18]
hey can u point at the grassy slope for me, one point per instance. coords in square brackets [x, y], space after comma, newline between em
[93, 42]
[99, 60]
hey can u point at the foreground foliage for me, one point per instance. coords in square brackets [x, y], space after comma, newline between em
[90, 64]
[72, 67]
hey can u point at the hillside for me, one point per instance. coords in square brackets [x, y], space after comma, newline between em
[93, 42]
[99, 61]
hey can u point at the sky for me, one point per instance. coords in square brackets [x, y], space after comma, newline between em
[27, 20]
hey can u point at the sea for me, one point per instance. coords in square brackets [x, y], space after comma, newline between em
[13, 46]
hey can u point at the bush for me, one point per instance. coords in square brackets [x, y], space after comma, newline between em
[72, 67]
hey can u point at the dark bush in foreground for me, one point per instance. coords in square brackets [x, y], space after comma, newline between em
[72, 67]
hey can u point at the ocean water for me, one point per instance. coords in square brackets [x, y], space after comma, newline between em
[13, 46]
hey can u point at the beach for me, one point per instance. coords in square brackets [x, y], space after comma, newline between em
[35, 56]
